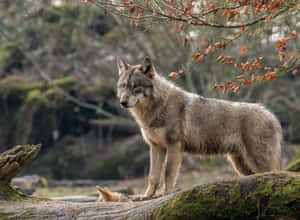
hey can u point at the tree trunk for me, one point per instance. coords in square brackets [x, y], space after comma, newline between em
[12, 162]
[261, 196]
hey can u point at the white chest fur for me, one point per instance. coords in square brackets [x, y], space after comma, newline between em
[155, 136]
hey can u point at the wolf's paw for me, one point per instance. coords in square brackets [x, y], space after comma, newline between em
[167, 192]
[138, 198]
[157, 196]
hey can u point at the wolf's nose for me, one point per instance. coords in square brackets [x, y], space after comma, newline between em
[124, 103]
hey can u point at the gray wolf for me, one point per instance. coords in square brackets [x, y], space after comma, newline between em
[175, 122]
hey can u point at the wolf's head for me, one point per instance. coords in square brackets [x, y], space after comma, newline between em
[135, 83]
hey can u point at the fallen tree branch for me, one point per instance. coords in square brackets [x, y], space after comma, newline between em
[263, 196]
[270, 195]
[11, 163]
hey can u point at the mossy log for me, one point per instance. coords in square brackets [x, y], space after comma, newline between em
[14, 160]
[273, 195]
[261, 196]
[11, 163]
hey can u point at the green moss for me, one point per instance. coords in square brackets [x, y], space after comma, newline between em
[19, 84]
[284, 196]
[2, 159]
[4, 55]
[7, 192]
[53, 92]
[264, 187]
[65, 82]
[27, 86]
[259, 198]
[192, 203]
[19, 88]
[35, 97]
[294, 166]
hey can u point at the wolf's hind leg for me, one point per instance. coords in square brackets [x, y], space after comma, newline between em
[240, 165]
[263, 152]
[157, 160]
[266, 160]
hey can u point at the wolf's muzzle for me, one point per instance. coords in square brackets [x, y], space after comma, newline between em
[124, 103]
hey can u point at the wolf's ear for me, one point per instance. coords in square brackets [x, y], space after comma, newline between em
[122, 66]
[148, 68]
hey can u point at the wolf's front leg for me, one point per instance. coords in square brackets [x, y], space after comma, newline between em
[157, 160]
[174, 158]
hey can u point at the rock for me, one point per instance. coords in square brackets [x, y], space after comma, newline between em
[28, 184]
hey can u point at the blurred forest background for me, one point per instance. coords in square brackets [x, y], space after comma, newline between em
[58, 85]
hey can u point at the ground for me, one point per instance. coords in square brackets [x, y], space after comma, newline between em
[188, 178]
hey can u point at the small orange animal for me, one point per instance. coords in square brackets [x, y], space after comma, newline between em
[108, 196]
